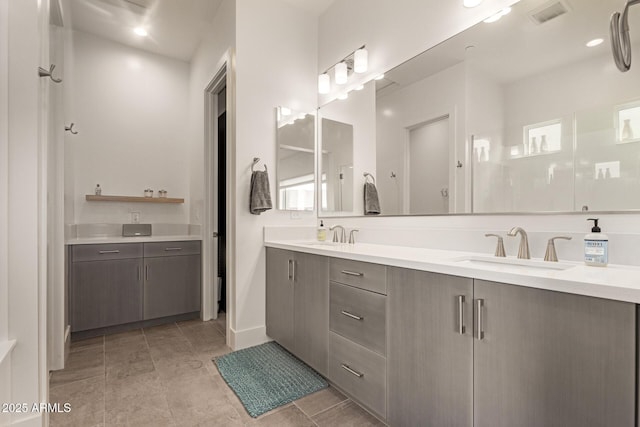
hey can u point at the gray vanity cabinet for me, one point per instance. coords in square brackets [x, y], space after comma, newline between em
[553, 359]
[430, 353]
[105, 285]
[297, 314]
[172, 278]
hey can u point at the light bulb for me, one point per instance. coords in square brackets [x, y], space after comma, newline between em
[324, 83]
[360, 60]
[471, 3]
[140, 31]
[341, 73]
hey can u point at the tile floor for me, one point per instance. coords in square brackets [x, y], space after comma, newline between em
[164, 376]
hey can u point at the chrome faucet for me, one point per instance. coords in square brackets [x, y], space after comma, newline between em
[523, 250]
[499, 247]
[551, 254]
[343, 234]
[352, 236]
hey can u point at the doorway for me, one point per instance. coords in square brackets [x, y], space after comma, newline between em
[428, 161]
[221, 208]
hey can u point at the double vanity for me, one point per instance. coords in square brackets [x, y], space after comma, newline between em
[432, 337]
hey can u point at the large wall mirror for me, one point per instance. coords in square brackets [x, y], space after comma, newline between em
[296, 140]
[524, 112]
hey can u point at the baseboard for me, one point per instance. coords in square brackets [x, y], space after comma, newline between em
[247, 337]
[32, 421]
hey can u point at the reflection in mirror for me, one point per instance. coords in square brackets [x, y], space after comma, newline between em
[347, 143]
[295, 138]
[520, 113]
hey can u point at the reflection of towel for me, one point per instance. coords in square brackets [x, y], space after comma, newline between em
[260, 197]
[371, 202]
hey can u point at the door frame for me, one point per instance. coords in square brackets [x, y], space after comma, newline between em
[224, 77]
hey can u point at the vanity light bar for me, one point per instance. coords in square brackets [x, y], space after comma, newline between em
[358, 61]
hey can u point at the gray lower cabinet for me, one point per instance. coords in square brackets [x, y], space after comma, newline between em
[430, 353]
[553, 359]
[297, 312]
[115, 284]
[105, 286]
[171, 286]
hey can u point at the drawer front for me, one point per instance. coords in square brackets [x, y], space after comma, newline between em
[106, 251]
[157, 249]
[364, 275]
[358, 371]
[358, 315]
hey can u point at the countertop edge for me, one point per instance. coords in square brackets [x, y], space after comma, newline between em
[616, 282]
[121, 239]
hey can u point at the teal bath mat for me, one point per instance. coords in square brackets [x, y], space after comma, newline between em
[267, 376]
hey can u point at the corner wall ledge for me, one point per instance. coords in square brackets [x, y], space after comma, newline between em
[5, 349]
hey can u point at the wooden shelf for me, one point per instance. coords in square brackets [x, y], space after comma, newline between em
[135, 199]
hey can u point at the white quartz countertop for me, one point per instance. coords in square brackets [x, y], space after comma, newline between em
[616, 282]
[137, 239]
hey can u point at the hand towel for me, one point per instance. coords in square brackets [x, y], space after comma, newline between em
[260, 197]
[371, 202]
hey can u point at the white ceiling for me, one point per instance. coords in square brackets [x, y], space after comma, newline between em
[515, 47]
[315, 7]
[175, 27]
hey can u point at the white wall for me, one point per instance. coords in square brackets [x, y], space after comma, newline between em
[131, 111]
[276, 65]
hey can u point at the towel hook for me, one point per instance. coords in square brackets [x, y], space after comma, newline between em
[255, 162]
[48, 73]
[70, 129]
[368, 175]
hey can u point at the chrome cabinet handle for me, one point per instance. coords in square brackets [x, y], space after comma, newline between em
[461, 328]
[353, 316]
[172, 249]
[109, 252]
[479, 326]
[351, 371]
[289, 277]
[293, 269]
[352, 273]
[146, 272]
[138, 273]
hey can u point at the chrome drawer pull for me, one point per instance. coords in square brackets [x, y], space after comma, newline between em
[109, 252]
[172, 249]
[353, 316]
[351, 371]
[461, 328]
[352, 273]
[479, 326]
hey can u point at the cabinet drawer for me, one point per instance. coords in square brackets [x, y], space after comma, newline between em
[364, 275]
[156, 249]
[358, 371]
[358, 315]
[106, 251]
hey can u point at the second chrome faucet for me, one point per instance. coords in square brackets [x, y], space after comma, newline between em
[523, 249]
[343, 234]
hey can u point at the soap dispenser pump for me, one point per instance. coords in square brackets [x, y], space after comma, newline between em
[322, 232]
[596, 246]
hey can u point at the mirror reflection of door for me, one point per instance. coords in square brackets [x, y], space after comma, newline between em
[428, 163]
[345, 176]
[337, 165]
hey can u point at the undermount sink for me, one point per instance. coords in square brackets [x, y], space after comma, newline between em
[511, 264]
[318, 243]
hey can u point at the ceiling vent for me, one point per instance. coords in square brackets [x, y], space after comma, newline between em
[136, 6]
[549, 11]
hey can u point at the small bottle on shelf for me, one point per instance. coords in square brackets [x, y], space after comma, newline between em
[98, 190]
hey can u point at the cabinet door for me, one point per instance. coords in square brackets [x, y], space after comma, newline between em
[279, 316]
[105, 293]
[553, 359]
[429, 361]
[311, 310]
[171, 286]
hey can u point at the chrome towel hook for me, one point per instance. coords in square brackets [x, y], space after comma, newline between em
[70, 129]
[620, 42]
[48, 73]
[368, 175]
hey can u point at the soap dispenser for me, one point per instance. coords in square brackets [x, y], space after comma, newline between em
[596, 246]
[322, 232]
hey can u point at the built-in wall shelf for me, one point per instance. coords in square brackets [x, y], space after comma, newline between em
[135, 199]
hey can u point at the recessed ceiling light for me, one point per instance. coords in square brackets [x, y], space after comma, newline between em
[380, 77]
[471, 3]
[140, 31]
[594, 42]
